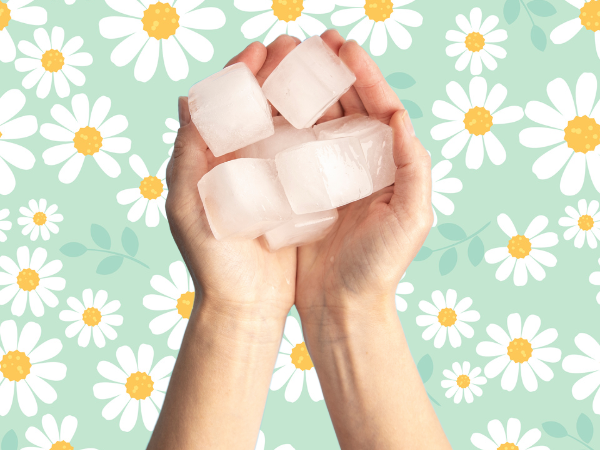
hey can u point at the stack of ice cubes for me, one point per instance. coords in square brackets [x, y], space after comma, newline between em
[289, 175]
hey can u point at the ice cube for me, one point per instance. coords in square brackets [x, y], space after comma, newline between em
[301, 229]
[285, 136]
[323, 175]
[307, 82]
[376, 138]
[243, 198]
[230, 110]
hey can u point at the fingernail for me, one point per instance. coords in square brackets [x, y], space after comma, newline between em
[408, 124]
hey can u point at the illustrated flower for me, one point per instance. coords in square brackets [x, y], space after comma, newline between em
[170, 136]
[85, 136]
[29, 375]
[588, 19]
[134, 386]
[595, 280]
[177, 298]
[446, 317]
[523, 251]
[462, 381]
[93, 317]
[403, 288]
[441, 186]
[509, 439]
[39, 219]
[51, 438]
[260, 443]
[51, 61]
[475, 42]
[293, 17]
[583, 224]
[30, 279]
[11, 103]
[170, 23]
[16, 11]
[525, 348]
[588, 364]
[5, 225]
[472, 120]
[577, 133]
[150, 196]
[293, 360]
[70, 2]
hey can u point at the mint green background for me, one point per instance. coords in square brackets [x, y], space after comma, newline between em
[565, 300]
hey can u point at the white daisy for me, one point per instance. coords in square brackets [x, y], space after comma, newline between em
[149, 23]
[577, 133]
[595, 280]
[523, 251]
[29, 377]
[381, 17]
[93, 317]
[150, 196]
[16, 11]
[133, 386]
[471, 121]
[170, 136]
[260, 443]
[30, 278]
[583, 225]
[70, 2]
[11, 103]
[446, 317]
[293, 17]
[51, 61]
[441, 186]
[588, 364]
[51, 438]
[85, 135]
[5, 225]
[509, 439]
[475, 42]
[462, 381]
[293, 360]
[403, 288]
[522, 349]
[38, 219]
[588, 11]
[177, 297]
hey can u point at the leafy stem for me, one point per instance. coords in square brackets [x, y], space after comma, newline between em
[528, 13]
[581, 442]
[433, 399]
[118, 254]
[463, 240]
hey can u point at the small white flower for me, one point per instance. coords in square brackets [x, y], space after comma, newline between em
[463, 382]
[170, 136]
[582, 225]
[524, 349]
[38, 219]
[51, 438]
[5, 225]
[595, 280]
[293, 360]
[446, 317]
[567, 30]
[17, 11]
[94, 316]
[440, 186]
[70, 2]
[511, 438]
[403, 288]
[588, 364]
[260, 443]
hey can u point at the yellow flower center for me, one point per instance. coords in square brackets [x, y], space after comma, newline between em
[160, 20]
[92, 317]
[463, 381]
[585, 222]
[582, 134]
[447, 317]
[288, 10]
[4, 15]
[151, 187]
[478, 120]
[39, 218]
[185, 304]
[519, 350]
[53, 60]
[88, 141]
[28, 279]
[508, 446]
[589, 16]
[519, 246]
[61, 445]
[474, 41]
[0, 133]
[15, 366]
[300, 357]
[139, 385]
[379, 10]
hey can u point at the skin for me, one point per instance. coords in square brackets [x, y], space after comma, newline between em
[343, 288]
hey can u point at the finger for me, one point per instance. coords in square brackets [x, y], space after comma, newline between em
[253, 56]
[352, 104]
[276, 51]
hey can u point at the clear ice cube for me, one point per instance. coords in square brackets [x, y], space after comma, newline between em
[301, 230]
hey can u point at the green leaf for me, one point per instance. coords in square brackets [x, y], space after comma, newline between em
[448, 261]
[452, 231]
[512, 8]
[73, 249]
[109, 265]
[541, 8]
[425, 368]
[538, 38]
[400, 80]
[555, 429]
[423, 254]
[585, 428]
[10, 441]
[130, 242]
[413, 109]
[100, 236]
[475, 251]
